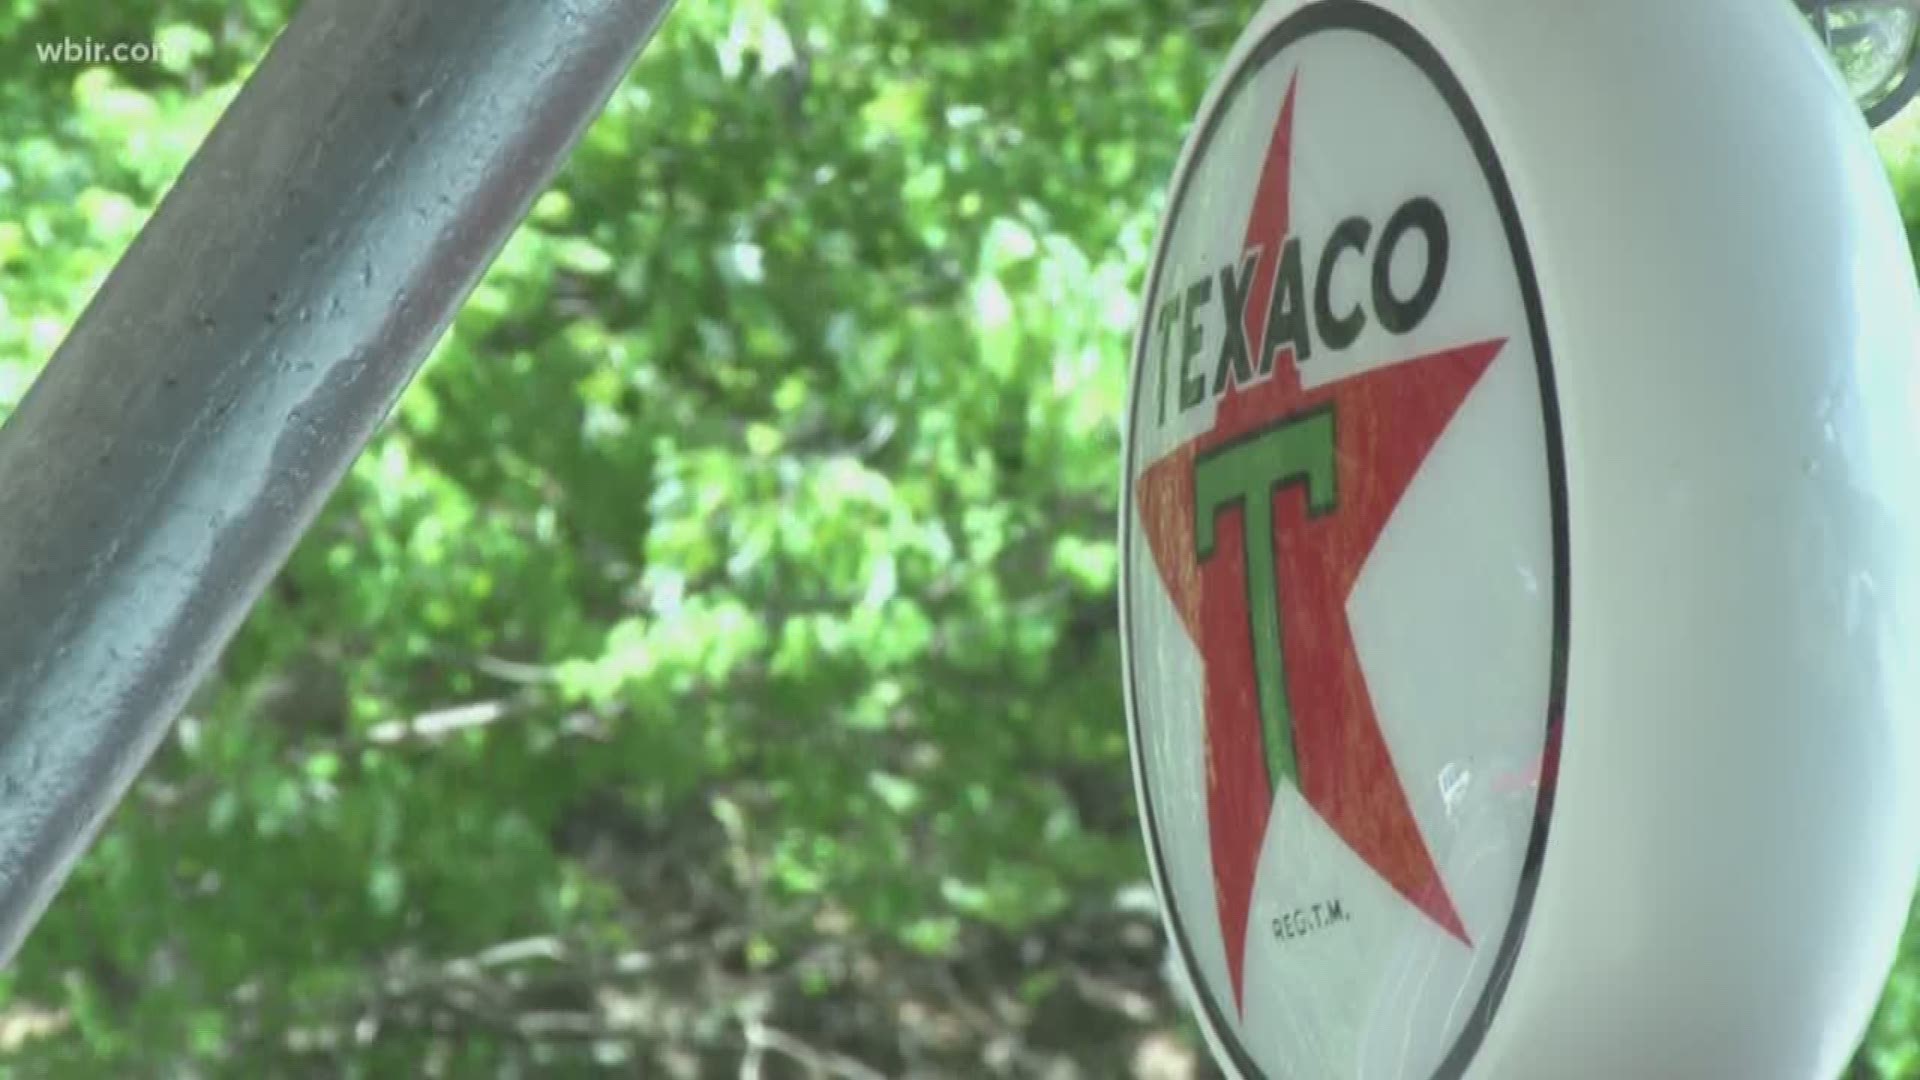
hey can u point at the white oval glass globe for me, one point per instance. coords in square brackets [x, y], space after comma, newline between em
[1521, 532]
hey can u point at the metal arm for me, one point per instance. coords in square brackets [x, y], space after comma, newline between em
[239, 357]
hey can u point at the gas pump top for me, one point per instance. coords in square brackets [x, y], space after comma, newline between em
[1520, 542]
[1876, 44]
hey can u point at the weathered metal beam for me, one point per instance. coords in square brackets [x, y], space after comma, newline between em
[218, 387]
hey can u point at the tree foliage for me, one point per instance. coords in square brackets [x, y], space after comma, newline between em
[715, 654]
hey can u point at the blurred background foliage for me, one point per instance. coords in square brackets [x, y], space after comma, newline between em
[711, 667]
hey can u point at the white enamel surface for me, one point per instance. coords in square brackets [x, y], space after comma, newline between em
[1733, 304]
[1732, 311]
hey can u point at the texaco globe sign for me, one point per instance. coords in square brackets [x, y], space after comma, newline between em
[1352, 514]
[1346, 386]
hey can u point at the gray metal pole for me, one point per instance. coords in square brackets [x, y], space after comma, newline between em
[239, 357]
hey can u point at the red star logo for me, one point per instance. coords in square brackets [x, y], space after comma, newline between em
[1384, 423]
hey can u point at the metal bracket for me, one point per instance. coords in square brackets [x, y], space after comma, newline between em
[232, 366]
